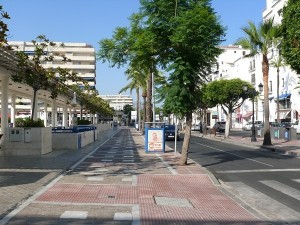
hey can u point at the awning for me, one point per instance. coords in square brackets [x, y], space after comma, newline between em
[247, 115]
[283, 96]
[284, 114]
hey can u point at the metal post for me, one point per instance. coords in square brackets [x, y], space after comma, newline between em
[175, 147]
[253, 138]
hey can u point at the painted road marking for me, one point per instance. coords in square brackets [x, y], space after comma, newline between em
[259, 171]
[74, 215]
[292, 192]
[235, 155]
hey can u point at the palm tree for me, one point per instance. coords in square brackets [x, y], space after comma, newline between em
[277, 63]
[138, 80]
[261, 40]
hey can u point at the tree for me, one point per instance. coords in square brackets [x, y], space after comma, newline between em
[188, 42]
[230, 95]
[277, 63]
[3, 27]
[137, 81]
[32, 73]
[127, 111]
[134, 45]
[261, 40]
[290, 43]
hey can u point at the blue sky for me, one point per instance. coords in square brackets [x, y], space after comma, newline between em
[92, 20]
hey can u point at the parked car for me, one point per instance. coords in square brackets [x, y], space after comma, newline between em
[220, 126]
[257, 124]
[196, 127]
[247, 127]
[170, 132]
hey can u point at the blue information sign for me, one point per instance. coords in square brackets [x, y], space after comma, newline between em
[154, 140]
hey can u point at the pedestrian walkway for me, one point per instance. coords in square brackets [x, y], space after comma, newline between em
[281, 146]
[116, 182]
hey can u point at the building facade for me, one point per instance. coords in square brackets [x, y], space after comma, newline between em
[117, 102]
[82, 62]
[82, 58]
[232, 63]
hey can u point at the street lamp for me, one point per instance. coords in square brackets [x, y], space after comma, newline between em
[73, 104]
[252, 92]
[260, 89]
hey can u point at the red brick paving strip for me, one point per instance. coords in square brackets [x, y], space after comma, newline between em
[209, 203]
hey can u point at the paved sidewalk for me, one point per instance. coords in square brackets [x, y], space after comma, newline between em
[282, 146]
[117, 183]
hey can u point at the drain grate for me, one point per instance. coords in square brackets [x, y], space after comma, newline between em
[167, 201]
[111, 196]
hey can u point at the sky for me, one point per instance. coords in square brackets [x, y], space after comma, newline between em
[90, 21]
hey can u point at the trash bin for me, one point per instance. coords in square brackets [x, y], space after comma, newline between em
[258, 132]
[276, 133]
[287, 134]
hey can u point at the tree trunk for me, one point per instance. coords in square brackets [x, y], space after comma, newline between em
[186, 140]
[33, 103]
[149, 97]
[144, 114]
[265, 70]
[227, 125]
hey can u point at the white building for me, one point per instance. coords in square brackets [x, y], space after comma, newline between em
[117, 102]
[82, 61]
[233, 64]
[82, 56]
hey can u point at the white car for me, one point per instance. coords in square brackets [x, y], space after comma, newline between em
[248, 126]
[196, 127]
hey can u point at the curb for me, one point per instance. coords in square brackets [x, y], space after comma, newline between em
[290, 153]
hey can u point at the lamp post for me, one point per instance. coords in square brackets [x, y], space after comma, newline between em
[260, 89]
[252, 92]
[73, 104]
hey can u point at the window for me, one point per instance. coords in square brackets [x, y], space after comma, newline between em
[253, 78]
[252, 65]
[270, 86]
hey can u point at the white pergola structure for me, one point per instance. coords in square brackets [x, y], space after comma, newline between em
[11, 90]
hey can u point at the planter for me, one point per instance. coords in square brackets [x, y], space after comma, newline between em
[27, 141]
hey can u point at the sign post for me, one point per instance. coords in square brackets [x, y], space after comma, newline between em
[155, 138]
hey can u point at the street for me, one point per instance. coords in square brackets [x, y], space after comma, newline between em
[267, 182]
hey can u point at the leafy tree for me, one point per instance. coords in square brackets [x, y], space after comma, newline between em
[290, 43]
[132, 45]
[230, 95]
[137, 81]
[89, 98]
[127, 111]
[261, 40]
[188, 33]
[32, 73]
[3, 27]
[277, 63]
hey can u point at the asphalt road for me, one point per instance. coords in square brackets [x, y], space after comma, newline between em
[267, 182]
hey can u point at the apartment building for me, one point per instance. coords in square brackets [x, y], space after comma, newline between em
[82, 61]
[82, 56]
[117, 102]
[230, 66]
